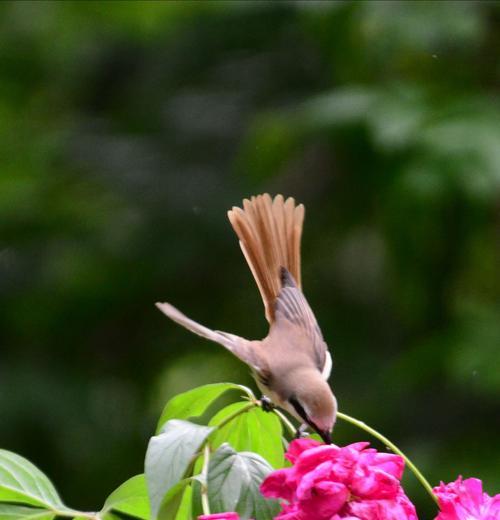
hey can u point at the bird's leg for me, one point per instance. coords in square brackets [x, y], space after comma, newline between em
[301, 431]
[266, 404]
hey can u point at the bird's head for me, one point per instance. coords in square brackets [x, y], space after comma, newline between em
[313, 402]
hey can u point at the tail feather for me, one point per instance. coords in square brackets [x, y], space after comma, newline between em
[240, 347]
[270, 233]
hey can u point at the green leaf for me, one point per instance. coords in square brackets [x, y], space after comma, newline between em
[194, 402]
[196, 506]
[23, 482]
[315, 437]
[185, 509]
[170, 505]
[130, 498]
[255, 430]
[14, 512]
[169, 456]
[108, 516]
[233, 484]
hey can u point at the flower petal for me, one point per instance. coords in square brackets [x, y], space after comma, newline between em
[279, 484]
[326, 499]
[297, 446]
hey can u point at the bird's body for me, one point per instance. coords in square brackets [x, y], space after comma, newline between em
[291, 364]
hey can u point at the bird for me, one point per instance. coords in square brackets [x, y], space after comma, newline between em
[292, 364]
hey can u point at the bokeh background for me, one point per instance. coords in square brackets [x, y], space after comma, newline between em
[129, 128]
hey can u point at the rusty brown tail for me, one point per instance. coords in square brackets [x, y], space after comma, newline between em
[269, 232]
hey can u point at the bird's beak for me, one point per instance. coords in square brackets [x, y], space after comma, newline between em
[325, 435]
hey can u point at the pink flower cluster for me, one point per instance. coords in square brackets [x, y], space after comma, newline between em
[327, 482]
[358, 483]
[465, 500]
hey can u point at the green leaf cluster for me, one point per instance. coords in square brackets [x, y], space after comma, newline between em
[189, 467]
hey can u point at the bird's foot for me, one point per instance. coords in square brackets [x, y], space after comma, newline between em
[266, 404]
[301, 432]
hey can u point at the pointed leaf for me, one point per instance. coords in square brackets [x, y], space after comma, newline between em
[170, 505]
[185, 511]
[233, 484]
[255, 430]
[194, 402]
[169, 456]
[22, 482]
[14, 512]
[130, 498]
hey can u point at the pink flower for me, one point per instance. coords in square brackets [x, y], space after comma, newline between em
[465, 500]
[220, 516]
[327, 482]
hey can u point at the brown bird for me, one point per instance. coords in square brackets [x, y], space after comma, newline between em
[291, 365]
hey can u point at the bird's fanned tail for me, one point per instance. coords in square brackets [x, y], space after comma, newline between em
[270, 232]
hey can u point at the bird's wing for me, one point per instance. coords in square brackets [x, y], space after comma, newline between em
[292, 306]
[240, 347]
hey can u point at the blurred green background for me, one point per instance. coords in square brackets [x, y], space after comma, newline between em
[129, 128]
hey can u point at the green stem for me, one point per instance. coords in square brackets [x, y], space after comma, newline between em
[285, 421]
[76, 514]
[250, 394]
[204, 487]
[393, 448]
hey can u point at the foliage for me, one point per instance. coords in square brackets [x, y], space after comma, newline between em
[229, 477]
[196, 470]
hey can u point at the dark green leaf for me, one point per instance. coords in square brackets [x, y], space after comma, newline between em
[194, 402]
[130, 498]
[196, 505]
[255, 430]
[169, 456]
[21, 481]
[233, 484]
